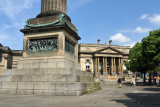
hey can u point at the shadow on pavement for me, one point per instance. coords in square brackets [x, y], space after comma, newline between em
[140, 100]
[152, 89]
[130, 84]
[139, 84]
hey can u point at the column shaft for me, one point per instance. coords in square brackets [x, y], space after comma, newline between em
[98, 65]
[103, 65]
[106, 64]
[95, 64]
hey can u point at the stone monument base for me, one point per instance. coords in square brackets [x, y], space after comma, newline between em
[48, 76]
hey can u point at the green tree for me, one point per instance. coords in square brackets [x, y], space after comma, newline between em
[151, 50]
[136, 63]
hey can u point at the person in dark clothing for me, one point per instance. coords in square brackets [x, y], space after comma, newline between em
[119, 82]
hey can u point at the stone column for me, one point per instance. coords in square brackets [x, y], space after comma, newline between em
[122, 65]
[106, 64]
[103, 65]
[119, 65]
[114, 65]
[111, 64]
[95, 64]
[98, 65]
[54, 5]
[94, 67]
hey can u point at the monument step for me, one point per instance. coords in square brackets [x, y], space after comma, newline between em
[60, 86]
[45, 71]
[47, 92]
[46, 78]
[48, 63]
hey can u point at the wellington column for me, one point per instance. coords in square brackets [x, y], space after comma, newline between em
[54, 5]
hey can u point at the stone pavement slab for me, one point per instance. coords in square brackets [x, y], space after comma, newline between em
[110, 96]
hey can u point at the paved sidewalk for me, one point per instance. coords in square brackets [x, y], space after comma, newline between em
[110, 96]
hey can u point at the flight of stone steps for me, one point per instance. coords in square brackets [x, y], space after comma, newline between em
[49, 79]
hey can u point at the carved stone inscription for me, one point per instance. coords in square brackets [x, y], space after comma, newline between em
[44, 44]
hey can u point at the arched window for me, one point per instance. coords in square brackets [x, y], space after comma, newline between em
[87, 64]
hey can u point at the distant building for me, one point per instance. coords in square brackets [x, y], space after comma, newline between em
[103, 58]
[8, 58]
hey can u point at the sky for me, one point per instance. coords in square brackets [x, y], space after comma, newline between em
[125, 22]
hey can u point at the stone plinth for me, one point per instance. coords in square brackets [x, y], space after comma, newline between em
[47, 76]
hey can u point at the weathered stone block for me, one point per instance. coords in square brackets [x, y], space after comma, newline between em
[48, 65]
[18, 72]
[12, 92]
[0, 85]
[61, 65]
[39, 92]
[28, 65]
[69, 86]
[37, 78]
[50, 86]
[30, 71]
[21, 85]
[39, 71]
[72, 78]
[50, 92]
[29, 85]
[6, 78]
[7, 72]
[16, 78]
[58, 78]
[35, 65]
[65, 93]
[25, 85]
[52, 71]
[39, 86]
[65, 71]
[21, 92]
[26, 78]
[9, 85]
[20, 66]
[46, 78]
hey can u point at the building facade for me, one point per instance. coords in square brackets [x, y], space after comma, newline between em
[8, 58]
[106, 59]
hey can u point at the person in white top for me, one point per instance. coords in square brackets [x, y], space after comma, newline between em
[133, 81]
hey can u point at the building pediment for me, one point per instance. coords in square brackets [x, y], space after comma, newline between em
[109, 50]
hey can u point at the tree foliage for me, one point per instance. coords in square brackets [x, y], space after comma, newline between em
[136, 63]
[145, 56]
[151, 49]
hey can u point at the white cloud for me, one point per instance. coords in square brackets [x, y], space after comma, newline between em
[155, 19]
[12, 8]
[119, 37]
[138, 29]
[131, 44]
[141, 30]
[144, 16]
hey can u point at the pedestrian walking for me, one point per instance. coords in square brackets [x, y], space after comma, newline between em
[133, 81]
[119, 81]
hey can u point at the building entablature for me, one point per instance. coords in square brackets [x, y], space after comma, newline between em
[99, 47]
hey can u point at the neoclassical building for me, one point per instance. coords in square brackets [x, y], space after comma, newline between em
[104, 59]
[9, 58]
